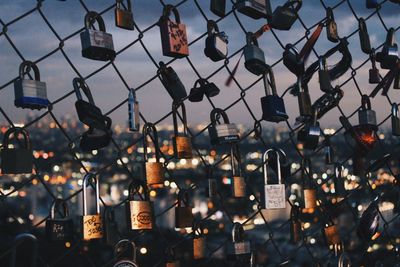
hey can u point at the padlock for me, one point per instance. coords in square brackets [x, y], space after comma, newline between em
[19, 159]
[285, 16]
[94, 139]
[139, 210]
[395, 120]
[369, 222]
[173, 34]
[374, 77]
[121, 250]
[254, 59]
[171, 259]
[216, 47]
[222, 133]
[371, 4]
[154, 170]
[338, 181]
[124, 16]
[365, 42]
[218, 7]
[203, 87]
[30, 93]
[199, 243]
[366, 115]
[309, 191]
[273, 106]
[255, 9]
[292, 60]
[239, 183]
[171, 82]
[212, 187]
[183, 214]
[23, 259]
[304, 100]
[323, 75]
[92, 225]
[60, 229]
[312, 132]
[295, 225]
[328, 150]
[111, 231]
[133, 111]
[239, 247]
[331, 27]
[328, 101]
[274, 194]
[396, 82]
[182, 143]
[344, 260]
[389, 55]
[332, 235]
[96, 44]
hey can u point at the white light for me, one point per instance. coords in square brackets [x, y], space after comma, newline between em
[126, 193]
[219, 214]
[324, 176]
[166, 183]
[359, 207]
[80, 182]
[195, 162]
[183, 161]
[143, 250]
[173, 185]
[94, 152]
[252, 197]
[56, 168]
[312, 240]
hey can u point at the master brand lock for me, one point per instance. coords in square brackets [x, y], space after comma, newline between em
[124, 16]
[133, 111]
[239, 248]
[366, 115]
[285, 16]
[92, 225]
[304, 100]
[171, 82]
[239, 184]
[60, 229]
[273, 107]
[295, 225]
[364, 36]
[309, 191]
[173, 34]
[389, 55]
[374, 77]
[199, 243]
[255, 9]
[311, 132]
[216, 42]
[183, 214]
[182, 143]
[218, 7]
[292, 60]
[139, 211]
[154, 170]
[16, 160]
[30, 93]
[33, 250]
[274, 194]
[222, 133]
[254, 56]
[323, 75]
[331, 27]
[120, 251]
[395, 120]
[96, 44]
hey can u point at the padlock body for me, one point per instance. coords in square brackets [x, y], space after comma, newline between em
[367, 116]
[274, 195]
[311, 140]
[388, 56]
[140, 215]
[211, 90]
[295, 231]
[239, 187]
[92, 227]
[292, 62]
[30, 94]
[124, 19]
[331, 32]
[199, 248]
[283, 18]
[305, 107]
[95, 139]
[273, 108]
[59, 229]
[173, 85]
[218, 7]
[332, 235]
[212, 188]
[240, 248]
[16, 160]
[396, 83]
[173, 264]
[255, 9]
[154, 173]
[174, 39]
[216, 47]
[395, 125]
[223, 134]
[196, 94]
[183, 217]
[97, 45]
[254, 59]
[374, 77]
[89, 114]
[183, 147]
[310, 198]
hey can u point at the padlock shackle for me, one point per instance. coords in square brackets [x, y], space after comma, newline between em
[372, 57]
[269, 90]
[315, 116]
[329, 15]
[55, 205]
[167, 12]
[149, 128]
[121, 2]
[251, 39]
[218, 112]
[200, 82]
[294, 213]
[175, 107]
[342, 258]
[16, 131]
[26, 66]
[124, 244]
[365, 102]
[390, 37]
[89, 179]
[395, 110]
[18, 240]
[322, 64]
[237, 232]
[134, 188]
[338, 170]
[236, 160]
[132, 95]
[91, 17]
[183, 197]
[212, 27]
[198, 229]
[291, 3]
[306, 163]
[266, 164]
[80, 84]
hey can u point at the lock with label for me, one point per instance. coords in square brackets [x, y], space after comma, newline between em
[239, 248]
[59, 229]
[133, 111]
[371, 4]
[124, 16]
[338, 181]
[182, 143]
[389, 55]
[395, 120]
[239, 183]
[285, 16]
[273, 106]
[111, 232]
[19, 159]
[295, 225]
[366, 115]
[121, 249]
[171, 82]
[365, 42]
[216, 42]
[274, 194]
[328, 150]
[30, 93]
[323, 75]
[374, 77]
[199, 243]
[223, 133]
[292, 60]
[173, 34]
[96, 44]
[32, 250]
[304, 100]
[92, 225]
[309, 191]
[311, 132]
[255, 9]
[254, 56]
[331, 27]
[139, 210]
[183, 214]
[218, 7]
[154, 170]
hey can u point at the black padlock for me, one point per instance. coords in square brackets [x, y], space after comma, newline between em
[285, 16]
[364, 36]
[328, 101]
[328, 150]
[171, 82]
[323, 75]
[389, 55]
[222, 133]
[218, 7]
[395, 120]
[255, 9]
[371, 4]
[273, 106]
[197, 92]
[304, 100]
[60, 229]
[16, 160]
[331, 27]
[124, 16]
[216, 42]
[292, 61]
[366, 115]
[254, 59]
[94, 138]
[312, 132]
[338, 180]
[374, 77]
[183, 214]
[212, 186]
[396, 82]
[111, 232]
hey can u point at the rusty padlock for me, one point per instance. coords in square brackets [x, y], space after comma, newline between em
[199, 243]
[154, 170]
[310, 193]
[182, 142]
[139, 211]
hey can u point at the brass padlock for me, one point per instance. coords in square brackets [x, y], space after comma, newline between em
[310, 193]
[199, 243]
[295, 225]
[124, 16]
[182, 142]
[154, 170]
[92, 224]
[239, 184]
[140, 211]
[332, 235]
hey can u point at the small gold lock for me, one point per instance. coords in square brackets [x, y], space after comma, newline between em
[183, 147]
[310, 198]
[199, 248]
[155, 174]
[239, 186]
[140, 210]
[182, 142]
[92, 225]
[332, 235]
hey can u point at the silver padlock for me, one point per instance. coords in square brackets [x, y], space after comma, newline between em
[125, 261]
[395, 120]
[30, 93]
[366, 115]
[133, 110]
[274, 194]
[96, 44]
[255, 9]
[254, 56]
